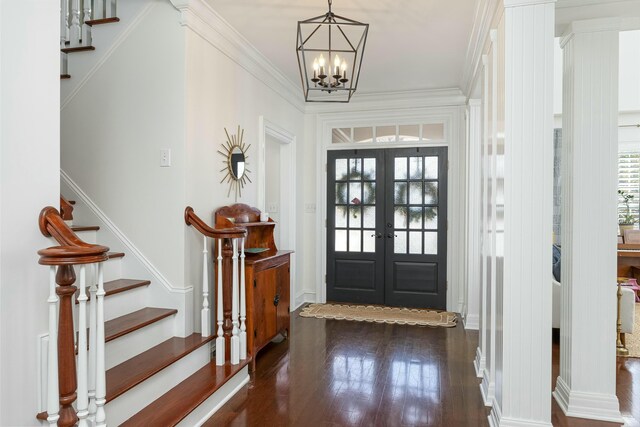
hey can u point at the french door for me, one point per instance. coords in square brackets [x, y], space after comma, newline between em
[386, 226]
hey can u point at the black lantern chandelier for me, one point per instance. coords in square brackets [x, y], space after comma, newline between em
[330, 50]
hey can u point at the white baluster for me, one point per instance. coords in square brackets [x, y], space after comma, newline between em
[235, 340]
[206, 313]
[74, 32]
[86, 16]
[220, 312]
[100, 364]
[243, 307]
[82, 404]
[53, 402]
[64, 34]
[92, 345]
[110, 8]
[97, 10]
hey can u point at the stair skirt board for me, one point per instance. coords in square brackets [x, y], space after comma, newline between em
[134, 343]
[210, 406]
[126, 405]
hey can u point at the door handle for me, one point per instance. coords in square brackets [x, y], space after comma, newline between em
[391, 235]
[379, 235]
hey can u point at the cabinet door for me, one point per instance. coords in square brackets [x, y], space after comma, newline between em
[282, 294]
[265, 310]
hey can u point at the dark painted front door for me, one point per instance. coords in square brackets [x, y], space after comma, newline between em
[386, 226]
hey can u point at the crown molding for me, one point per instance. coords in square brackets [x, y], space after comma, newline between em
[599, 25]
[208, 24]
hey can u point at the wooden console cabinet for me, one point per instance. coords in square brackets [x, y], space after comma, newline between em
[267, 277]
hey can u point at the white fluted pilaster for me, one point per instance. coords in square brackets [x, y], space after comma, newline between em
[525, 107]
[472, 318]
[587, 383]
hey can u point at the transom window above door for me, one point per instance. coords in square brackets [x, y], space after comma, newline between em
[401, 133]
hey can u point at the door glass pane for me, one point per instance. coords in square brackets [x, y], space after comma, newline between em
[369, 217]
[369, 193]
[341, 169]
[369, 241]
[401, 168]
[355, 193]
[354, 240]
[369, 172]
[415, 242]
[430, 167]
[431, 242]
[400, 242]
[433, 132]
[409, 133]
[415, 217]
[355, 168]
[400, 194]
[355, 217]
[341, 240]
[341, 136]
[363, 134]
[415, 193]
[400, 217]
[431, 218]
[341, 216]
[430, 193]
[415, 167]
[341, 193]
[385, 133]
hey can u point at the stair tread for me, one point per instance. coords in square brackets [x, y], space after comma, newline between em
[85, 227]
[119, 285]
[77, 49]
[123, 325]
[125, 376]
[173, 406]
[101, 21]
[113, 255]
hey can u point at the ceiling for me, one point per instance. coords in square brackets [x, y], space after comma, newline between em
[412, 44]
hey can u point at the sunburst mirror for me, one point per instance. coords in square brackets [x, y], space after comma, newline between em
[235, 160]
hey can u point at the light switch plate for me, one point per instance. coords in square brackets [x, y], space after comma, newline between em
[165, 157]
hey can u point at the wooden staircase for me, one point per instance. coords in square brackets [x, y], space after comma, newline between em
[176, 402]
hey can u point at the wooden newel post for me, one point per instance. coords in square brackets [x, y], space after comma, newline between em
[67, 384]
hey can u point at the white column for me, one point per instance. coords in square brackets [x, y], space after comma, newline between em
[220, 348]
[525, 107]
[235, 340]
[53, 402]
[205, 313]
[472, 318]
[586, 386]
[243, 304]
[82, 404]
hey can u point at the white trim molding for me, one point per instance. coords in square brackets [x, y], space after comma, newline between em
[201, 18]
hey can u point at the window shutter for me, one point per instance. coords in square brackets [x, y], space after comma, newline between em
[629, 181]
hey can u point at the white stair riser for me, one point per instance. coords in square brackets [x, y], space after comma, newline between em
[210, 406]
[131, 344]
[113, 269]
[88, 236]
[126, 302]
[125, 406]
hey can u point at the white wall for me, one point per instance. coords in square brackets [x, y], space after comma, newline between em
[220, 94]
[113, 130]
[29, 176]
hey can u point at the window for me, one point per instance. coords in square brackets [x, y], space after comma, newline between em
[629, 181]
[390, 133]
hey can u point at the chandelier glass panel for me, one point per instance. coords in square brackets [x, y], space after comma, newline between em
[330, 50]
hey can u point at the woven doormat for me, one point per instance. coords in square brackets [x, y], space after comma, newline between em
[369, 313]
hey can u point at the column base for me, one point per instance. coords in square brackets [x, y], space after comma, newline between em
[479, 363]
[487, 389]
[472, 321]
[592, 406]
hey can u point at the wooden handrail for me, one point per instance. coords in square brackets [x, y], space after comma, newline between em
[190, 218]
[72, 249]
[66, 209]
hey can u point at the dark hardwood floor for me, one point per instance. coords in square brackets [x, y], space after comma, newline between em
[341, 373]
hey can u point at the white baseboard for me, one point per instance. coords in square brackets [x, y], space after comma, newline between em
[593, 406]
[303, 298]
[472, 322]
[487, 389]
[479, 363]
